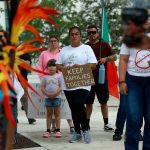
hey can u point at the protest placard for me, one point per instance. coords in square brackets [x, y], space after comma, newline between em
[77, 76]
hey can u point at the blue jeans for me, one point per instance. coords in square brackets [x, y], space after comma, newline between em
[15, 113]
[56, 102]
[137, 107]
[121, 115]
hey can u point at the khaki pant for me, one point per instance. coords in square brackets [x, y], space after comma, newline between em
[24, 102]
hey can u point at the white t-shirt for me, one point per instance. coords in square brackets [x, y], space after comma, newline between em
[81, 55]
[138, 61]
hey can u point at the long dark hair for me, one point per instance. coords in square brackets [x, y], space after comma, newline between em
[2, 42]
[5, 34]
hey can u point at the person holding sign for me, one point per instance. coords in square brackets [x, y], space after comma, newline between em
[75, 55]
[51, 87]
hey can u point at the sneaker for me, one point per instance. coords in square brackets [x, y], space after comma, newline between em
[140, 137]
[46, 134]
[22, 107]
[89, 128]
[75, 138]
[53, 130]
[117, 137]
[108, 128]
[87, 137]
[71, 130]
[58, 134]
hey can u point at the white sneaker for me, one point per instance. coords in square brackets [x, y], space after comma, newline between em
[108, 128]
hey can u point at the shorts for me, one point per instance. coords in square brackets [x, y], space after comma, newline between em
[56, 102]
[101, 91]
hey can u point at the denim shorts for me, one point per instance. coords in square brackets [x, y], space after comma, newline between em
[52, 102]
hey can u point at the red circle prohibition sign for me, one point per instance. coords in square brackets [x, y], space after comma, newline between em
[137, 62]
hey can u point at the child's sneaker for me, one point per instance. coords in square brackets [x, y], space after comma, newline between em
[58, 134]
[46, 134]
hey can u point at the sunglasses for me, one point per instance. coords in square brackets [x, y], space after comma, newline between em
[92, 32]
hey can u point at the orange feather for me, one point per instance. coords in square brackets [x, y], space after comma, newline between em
[27, 11]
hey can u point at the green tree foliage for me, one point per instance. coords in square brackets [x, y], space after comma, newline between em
[91, 12]
[81, 13]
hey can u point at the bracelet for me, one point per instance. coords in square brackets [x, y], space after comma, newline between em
[120, 82]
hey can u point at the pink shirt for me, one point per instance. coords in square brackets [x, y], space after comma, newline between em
[44, 57]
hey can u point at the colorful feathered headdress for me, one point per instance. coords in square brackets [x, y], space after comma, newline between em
[27, 10]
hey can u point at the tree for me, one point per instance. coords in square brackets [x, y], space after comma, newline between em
[81, 13]
[113, 13]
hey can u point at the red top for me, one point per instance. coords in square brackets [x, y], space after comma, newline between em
[106, 51]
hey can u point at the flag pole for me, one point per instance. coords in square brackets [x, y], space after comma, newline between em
[101, 30]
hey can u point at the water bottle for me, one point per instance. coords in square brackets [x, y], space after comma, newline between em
[101, 79]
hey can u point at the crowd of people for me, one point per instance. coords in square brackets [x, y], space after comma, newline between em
[134, 83]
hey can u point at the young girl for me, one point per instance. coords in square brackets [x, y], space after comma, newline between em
[53, 52]
[51, 87]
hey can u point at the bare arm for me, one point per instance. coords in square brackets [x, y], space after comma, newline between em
[111, 58]
[60, 67]
[59, 90]
[92, 66]
[108, 59]
[122, 73]
[44, 90]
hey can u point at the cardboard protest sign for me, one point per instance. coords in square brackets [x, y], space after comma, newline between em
[77, 76]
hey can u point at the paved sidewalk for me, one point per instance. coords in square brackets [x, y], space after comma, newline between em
[100, 140]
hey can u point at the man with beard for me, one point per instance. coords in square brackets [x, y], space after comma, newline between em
[104, 54]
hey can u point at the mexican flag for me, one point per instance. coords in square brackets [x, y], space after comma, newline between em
[112, 75]
[105, 30]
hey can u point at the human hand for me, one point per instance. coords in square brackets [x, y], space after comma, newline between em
[75, 65]
[123, 88]
[52, 95]
[102, 60]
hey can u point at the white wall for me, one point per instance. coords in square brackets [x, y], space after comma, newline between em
[2, 15]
